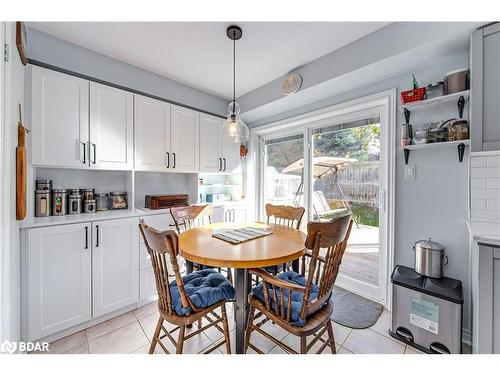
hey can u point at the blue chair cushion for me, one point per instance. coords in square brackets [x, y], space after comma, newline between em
[204, 287]
[297, 297]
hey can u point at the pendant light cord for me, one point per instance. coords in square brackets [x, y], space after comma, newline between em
[234, 69]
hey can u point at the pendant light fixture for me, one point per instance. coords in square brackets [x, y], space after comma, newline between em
[234, 129]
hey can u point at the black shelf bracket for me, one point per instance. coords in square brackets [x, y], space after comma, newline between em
[407, 155]
[461, 150]
[407, 115]
[461, 105]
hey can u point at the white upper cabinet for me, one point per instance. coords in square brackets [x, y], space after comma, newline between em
[185, 135]
[230, 156]
[210, 145]
[216, 155]
[152, 134]
[59, 119]
[111, 127]
[58, 278]
[115, 264]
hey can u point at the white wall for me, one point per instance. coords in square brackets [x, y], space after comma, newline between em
[14, 87]
[435, 203]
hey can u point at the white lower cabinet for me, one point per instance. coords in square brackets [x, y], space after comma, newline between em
[235, 214]
[218, 216]
[115, 265]
[147, 284]
[58, 278]
[74, 273]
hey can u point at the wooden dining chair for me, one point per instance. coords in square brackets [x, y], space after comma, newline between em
[186, 299]
[283, 215]
[187, 217]
[300, 302]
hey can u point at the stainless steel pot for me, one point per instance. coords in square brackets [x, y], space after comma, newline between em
[429, 258]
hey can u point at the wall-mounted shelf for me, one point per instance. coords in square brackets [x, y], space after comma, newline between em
[459, 144]
[459, 97]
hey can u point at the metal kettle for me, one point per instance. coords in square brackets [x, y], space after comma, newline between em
[429, 258]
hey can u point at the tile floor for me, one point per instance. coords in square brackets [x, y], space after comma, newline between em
[131, 333]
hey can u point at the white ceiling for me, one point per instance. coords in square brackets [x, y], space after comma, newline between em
[199, 54]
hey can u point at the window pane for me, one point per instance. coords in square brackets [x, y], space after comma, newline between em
[346, 179]
[283, 171]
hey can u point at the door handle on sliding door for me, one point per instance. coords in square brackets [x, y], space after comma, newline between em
[381, 200]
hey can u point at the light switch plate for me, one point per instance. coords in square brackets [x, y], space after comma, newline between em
[410, 172]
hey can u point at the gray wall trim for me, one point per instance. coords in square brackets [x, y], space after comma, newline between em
[107, 83]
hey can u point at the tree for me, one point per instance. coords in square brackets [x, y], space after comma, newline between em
[350, 143]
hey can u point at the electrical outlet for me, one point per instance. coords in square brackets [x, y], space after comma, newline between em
[410, 172]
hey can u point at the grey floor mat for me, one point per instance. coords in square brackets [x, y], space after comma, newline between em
[354, 311]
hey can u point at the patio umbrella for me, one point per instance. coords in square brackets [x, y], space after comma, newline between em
[322, 166]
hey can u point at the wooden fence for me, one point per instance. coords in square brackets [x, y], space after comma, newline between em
[359, 183]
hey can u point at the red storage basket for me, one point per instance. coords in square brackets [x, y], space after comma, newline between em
[415, 95]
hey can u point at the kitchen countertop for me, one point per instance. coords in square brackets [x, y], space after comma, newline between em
[37, 222]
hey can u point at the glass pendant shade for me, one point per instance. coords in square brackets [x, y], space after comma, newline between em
[234, 129]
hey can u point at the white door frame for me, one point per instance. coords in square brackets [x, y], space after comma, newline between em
[3, 201]
[383, 102]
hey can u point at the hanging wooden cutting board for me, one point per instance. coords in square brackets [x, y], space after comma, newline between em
[21, 169]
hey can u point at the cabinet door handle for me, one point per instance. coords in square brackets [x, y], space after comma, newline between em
[168, 159]
[225, 164]
[84, 144]
[220, 164]
[86, 237]
[173, 166]
[94, 148]
[97, 236]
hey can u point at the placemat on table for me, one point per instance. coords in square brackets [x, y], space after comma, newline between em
[239, 235]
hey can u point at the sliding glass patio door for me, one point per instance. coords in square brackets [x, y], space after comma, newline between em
[331, 167]
[347, 176]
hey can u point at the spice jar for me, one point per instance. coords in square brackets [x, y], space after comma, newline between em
[88, 194]
[44, 185]
[74, 204]
[59, 202]
[118, 200]
[90, 206]
[42, 203]
[102, 201]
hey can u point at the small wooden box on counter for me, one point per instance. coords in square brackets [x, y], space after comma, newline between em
[156, 202]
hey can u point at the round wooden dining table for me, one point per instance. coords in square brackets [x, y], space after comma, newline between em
[284, 244]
